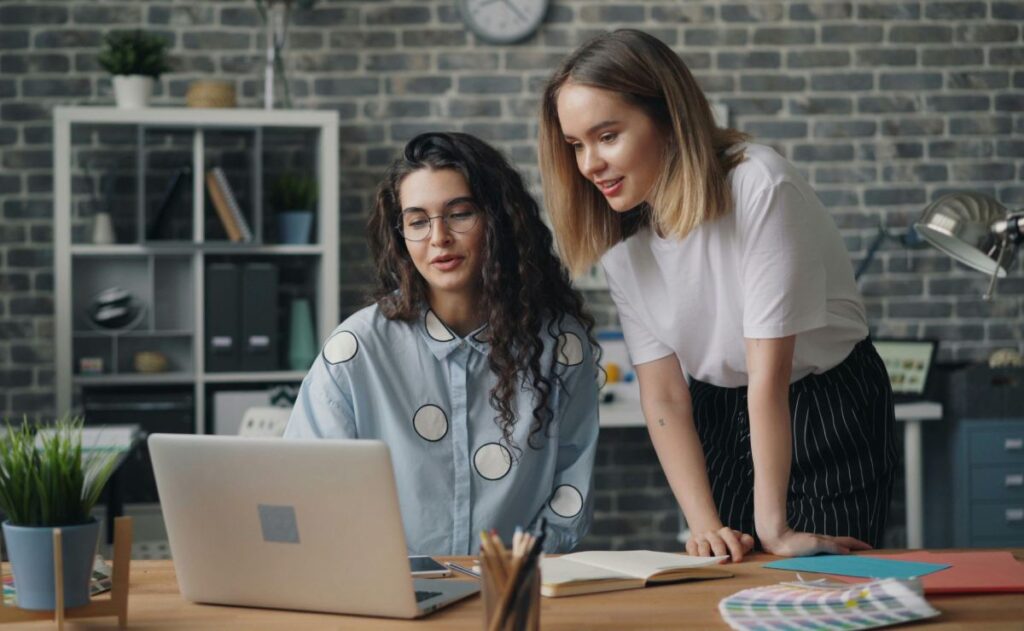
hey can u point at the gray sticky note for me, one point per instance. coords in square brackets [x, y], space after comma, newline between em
[278, 524]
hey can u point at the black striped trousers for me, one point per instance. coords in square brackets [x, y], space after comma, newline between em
[844, 450]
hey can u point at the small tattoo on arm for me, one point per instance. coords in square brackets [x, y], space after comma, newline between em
[661, 422]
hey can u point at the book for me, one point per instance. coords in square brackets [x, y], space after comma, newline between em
[226, 204]
[156, 228]
[857, 565]
[601, 571]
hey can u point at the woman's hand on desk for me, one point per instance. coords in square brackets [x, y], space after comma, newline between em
[721, 542]
[790, 543]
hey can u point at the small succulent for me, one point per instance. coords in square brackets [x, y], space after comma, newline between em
[134, 53]
[293, 191]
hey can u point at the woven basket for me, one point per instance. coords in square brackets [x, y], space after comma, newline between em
[207, 93]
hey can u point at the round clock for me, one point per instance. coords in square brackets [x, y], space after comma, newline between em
[503, 21]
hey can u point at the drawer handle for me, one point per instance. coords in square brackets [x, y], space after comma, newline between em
[1013, 444]
[1015, 514]
[1014, 479]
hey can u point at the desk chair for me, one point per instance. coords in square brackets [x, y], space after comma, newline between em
[264, 422]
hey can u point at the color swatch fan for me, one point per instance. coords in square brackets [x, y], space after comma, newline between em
[823, 605]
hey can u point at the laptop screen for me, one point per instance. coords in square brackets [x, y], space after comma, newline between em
[908, 362]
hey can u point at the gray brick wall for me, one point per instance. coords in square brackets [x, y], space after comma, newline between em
[883, 105]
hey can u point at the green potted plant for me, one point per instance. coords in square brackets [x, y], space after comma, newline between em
[136, 59]
[293, 197]
[47, 481]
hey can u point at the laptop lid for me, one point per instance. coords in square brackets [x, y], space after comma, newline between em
[293, 524]
[909, 364]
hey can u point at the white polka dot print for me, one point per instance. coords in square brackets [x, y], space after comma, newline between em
[437, 329]
[492, 461]
[570, 349]
[341, 348]
[430, 423]
[567, 501]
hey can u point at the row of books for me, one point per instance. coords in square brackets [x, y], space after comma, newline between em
[225, 203]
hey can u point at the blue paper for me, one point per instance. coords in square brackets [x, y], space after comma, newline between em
[864, 567]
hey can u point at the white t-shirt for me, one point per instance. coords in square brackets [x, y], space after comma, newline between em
[775, 266]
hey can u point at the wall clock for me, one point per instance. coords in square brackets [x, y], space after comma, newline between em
[503, 21]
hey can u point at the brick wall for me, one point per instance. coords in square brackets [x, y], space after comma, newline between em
[883, 105]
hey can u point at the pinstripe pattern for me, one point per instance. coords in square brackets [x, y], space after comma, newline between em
[844, 452]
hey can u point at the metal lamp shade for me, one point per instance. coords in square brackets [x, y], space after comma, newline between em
[960, 224]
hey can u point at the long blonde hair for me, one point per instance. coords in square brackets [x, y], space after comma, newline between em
[691, 188]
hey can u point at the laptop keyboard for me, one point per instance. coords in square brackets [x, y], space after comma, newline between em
[422, 595]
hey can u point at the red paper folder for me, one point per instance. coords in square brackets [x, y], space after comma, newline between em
[971, 572]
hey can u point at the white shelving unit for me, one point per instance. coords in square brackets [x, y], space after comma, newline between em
[173, 272]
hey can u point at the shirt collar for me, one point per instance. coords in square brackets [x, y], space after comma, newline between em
[442, 341]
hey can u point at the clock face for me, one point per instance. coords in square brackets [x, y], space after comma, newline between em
[503, 21]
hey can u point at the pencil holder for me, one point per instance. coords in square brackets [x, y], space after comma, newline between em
[511, 605]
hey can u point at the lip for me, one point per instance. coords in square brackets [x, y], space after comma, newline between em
[610, 188]
[447, 262]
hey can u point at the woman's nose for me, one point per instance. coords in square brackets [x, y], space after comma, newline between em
[591, 163]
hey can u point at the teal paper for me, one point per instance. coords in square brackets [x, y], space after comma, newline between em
[864, 567]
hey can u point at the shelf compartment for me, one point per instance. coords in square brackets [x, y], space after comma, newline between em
[167, 195]
[173, 302]
[236, 153]
[177, 350]
[103, 170]
[93, 275]
[286, 152]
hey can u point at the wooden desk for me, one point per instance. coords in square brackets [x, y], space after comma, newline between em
[154, 604]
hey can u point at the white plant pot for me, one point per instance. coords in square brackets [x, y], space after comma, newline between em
[133, 91]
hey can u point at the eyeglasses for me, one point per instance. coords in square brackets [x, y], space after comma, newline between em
[415, 226]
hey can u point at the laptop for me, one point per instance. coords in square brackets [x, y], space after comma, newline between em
[312, 525]
[909, 364]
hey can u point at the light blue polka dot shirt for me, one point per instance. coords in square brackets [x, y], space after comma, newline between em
[426, 393]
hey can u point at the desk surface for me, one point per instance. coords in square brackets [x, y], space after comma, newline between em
[154, 603]
[625, 411]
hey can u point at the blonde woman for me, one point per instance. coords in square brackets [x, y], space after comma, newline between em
[727, 271]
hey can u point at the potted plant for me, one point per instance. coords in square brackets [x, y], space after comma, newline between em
[293, 196]
[48, 482]
[136, 59]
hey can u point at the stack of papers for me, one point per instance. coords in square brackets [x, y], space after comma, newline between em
[824, 605]
[940, 572]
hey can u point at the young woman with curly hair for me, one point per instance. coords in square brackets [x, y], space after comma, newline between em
[769, 408]
[476, 364]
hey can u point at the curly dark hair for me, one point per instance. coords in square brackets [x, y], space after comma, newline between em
[524, 285]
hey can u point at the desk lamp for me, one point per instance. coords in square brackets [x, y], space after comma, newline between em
[976, 230]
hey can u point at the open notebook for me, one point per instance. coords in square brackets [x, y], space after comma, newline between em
[597, 571]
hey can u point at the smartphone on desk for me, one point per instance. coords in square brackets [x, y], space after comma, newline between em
[426, 567]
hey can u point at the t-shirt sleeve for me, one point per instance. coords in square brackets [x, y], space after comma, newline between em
[782, 266]
[642, 345]
[323, 408]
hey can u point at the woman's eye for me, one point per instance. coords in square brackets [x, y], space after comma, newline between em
[461, 214]
[418, 223]
[575, 146]
[608, 137]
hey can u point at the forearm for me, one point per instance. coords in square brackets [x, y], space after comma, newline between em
[771, 446]
[679, 450]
